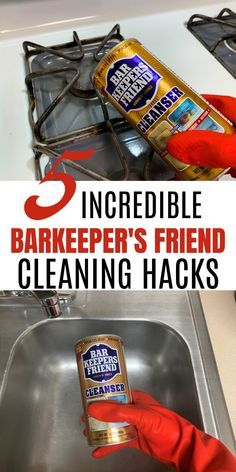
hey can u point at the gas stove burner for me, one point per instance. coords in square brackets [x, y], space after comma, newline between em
[231, 44]
[218, 35]
[83, 87]
[58, 99]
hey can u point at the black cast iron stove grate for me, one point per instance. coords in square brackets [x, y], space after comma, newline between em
[67, 113]
[218, 35]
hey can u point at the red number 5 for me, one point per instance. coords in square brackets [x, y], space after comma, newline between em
[38, 212]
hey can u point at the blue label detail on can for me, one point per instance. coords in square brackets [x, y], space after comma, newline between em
[132, 83]
[101, 363]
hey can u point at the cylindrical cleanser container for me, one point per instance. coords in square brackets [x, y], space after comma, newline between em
[156, 102]
[103, 376]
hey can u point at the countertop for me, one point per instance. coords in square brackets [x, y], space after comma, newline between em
[220, 313]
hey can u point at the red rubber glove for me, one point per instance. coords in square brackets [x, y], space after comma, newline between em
[164, 435]
[208, 148]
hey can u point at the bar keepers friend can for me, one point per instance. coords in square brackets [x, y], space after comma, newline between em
[103, 376]
[156, 102]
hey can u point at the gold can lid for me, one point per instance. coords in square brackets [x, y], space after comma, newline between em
[99, 338]
[111, 51]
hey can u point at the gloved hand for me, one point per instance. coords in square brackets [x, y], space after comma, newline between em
[208, 148]
[164, 435]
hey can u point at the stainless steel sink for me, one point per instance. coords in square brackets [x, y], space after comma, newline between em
[40, 408]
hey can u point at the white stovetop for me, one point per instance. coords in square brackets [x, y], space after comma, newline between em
[52, 21]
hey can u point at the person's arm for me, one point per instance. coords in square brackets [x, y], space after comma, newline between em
[208, 148]
[164, 435]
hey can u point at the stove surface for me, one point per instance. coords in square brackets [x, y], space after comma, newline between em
[165, 34]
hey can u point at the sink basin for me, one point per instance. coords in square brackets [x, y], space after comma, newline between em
[40, 410]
